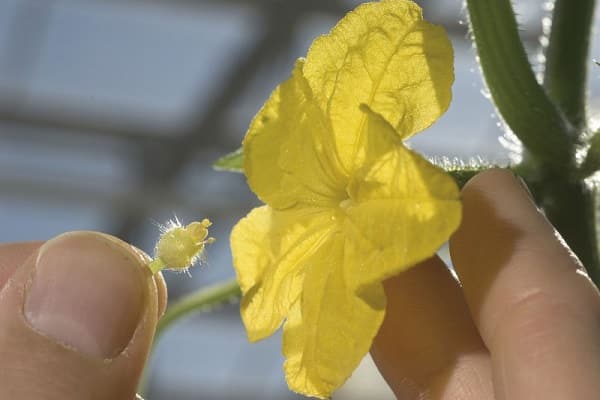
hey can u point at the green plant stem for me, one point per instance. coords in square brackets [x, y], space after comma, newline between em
[591, 163]
[571, 207]
[201, 300]
[567, 59]
[521, 101]
[548, 136]
[571, 204]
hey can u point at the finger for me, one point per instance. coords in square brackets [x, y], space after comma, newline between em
[12, 255]
[536, 310]
[76, 321]
[428, 345]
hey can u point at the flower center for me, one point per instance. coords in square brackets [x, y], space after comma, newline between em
[345, 204]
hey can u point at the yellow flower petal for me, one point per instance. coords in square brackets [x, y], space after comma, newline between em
[385, 55]
[401, 207]
[348, 203]
[329, 329]
[270, 250]
[289, 156]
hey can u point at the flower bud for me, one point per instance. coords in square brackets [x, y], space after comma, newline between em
[179, 247]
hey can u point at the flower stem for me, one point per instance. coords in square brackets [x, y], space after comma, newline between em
[201, 300]
[567, 59]
[156, 265]
[521, 101]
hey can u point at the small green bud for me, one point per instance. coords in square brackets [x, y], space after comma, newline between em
[179, 247]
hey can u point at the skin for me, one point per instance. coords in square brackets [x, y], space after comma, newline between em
[33, 365]
[523, 323]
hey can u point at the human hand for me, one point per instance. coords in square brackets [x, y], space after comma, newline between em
[525, 325]
[77, 318]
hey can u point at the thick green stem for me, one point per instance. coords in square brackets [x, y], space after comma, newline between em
[591, 164]
[203, 299]
[567, 58]
[571, 205]
[571, 208]
[521, 101]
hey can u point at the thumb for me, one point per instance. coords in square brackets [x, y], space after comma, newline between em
[77, 320]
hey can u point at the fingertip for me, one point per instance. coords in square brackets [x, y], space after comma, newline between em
[86, 290]
[86, 305]
[487, 236]
[426, 330]
[535, 311]
[159, 282]
[504, 244]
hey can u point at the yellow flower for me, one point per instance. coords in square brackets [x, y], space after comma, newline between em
[347, 203]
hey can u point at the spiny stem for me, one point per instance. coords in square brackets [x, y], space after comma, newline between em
[521, 101]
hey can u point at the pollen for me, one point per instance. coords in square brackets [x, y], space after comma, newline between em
[179, 247]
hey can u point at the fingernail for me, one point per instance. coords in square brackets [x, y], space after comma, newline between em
[87, 293]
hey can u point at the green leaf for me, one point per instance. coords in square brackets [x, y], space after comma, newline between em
[232, 162]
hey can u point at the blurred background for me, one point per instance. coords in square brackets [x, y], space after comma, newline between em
[112, 112]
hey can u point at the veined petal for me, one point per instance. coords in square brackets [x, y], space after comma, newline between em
[270, 252]
[289, 155]
[329, 329]
[385, 55]
[401, 208]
